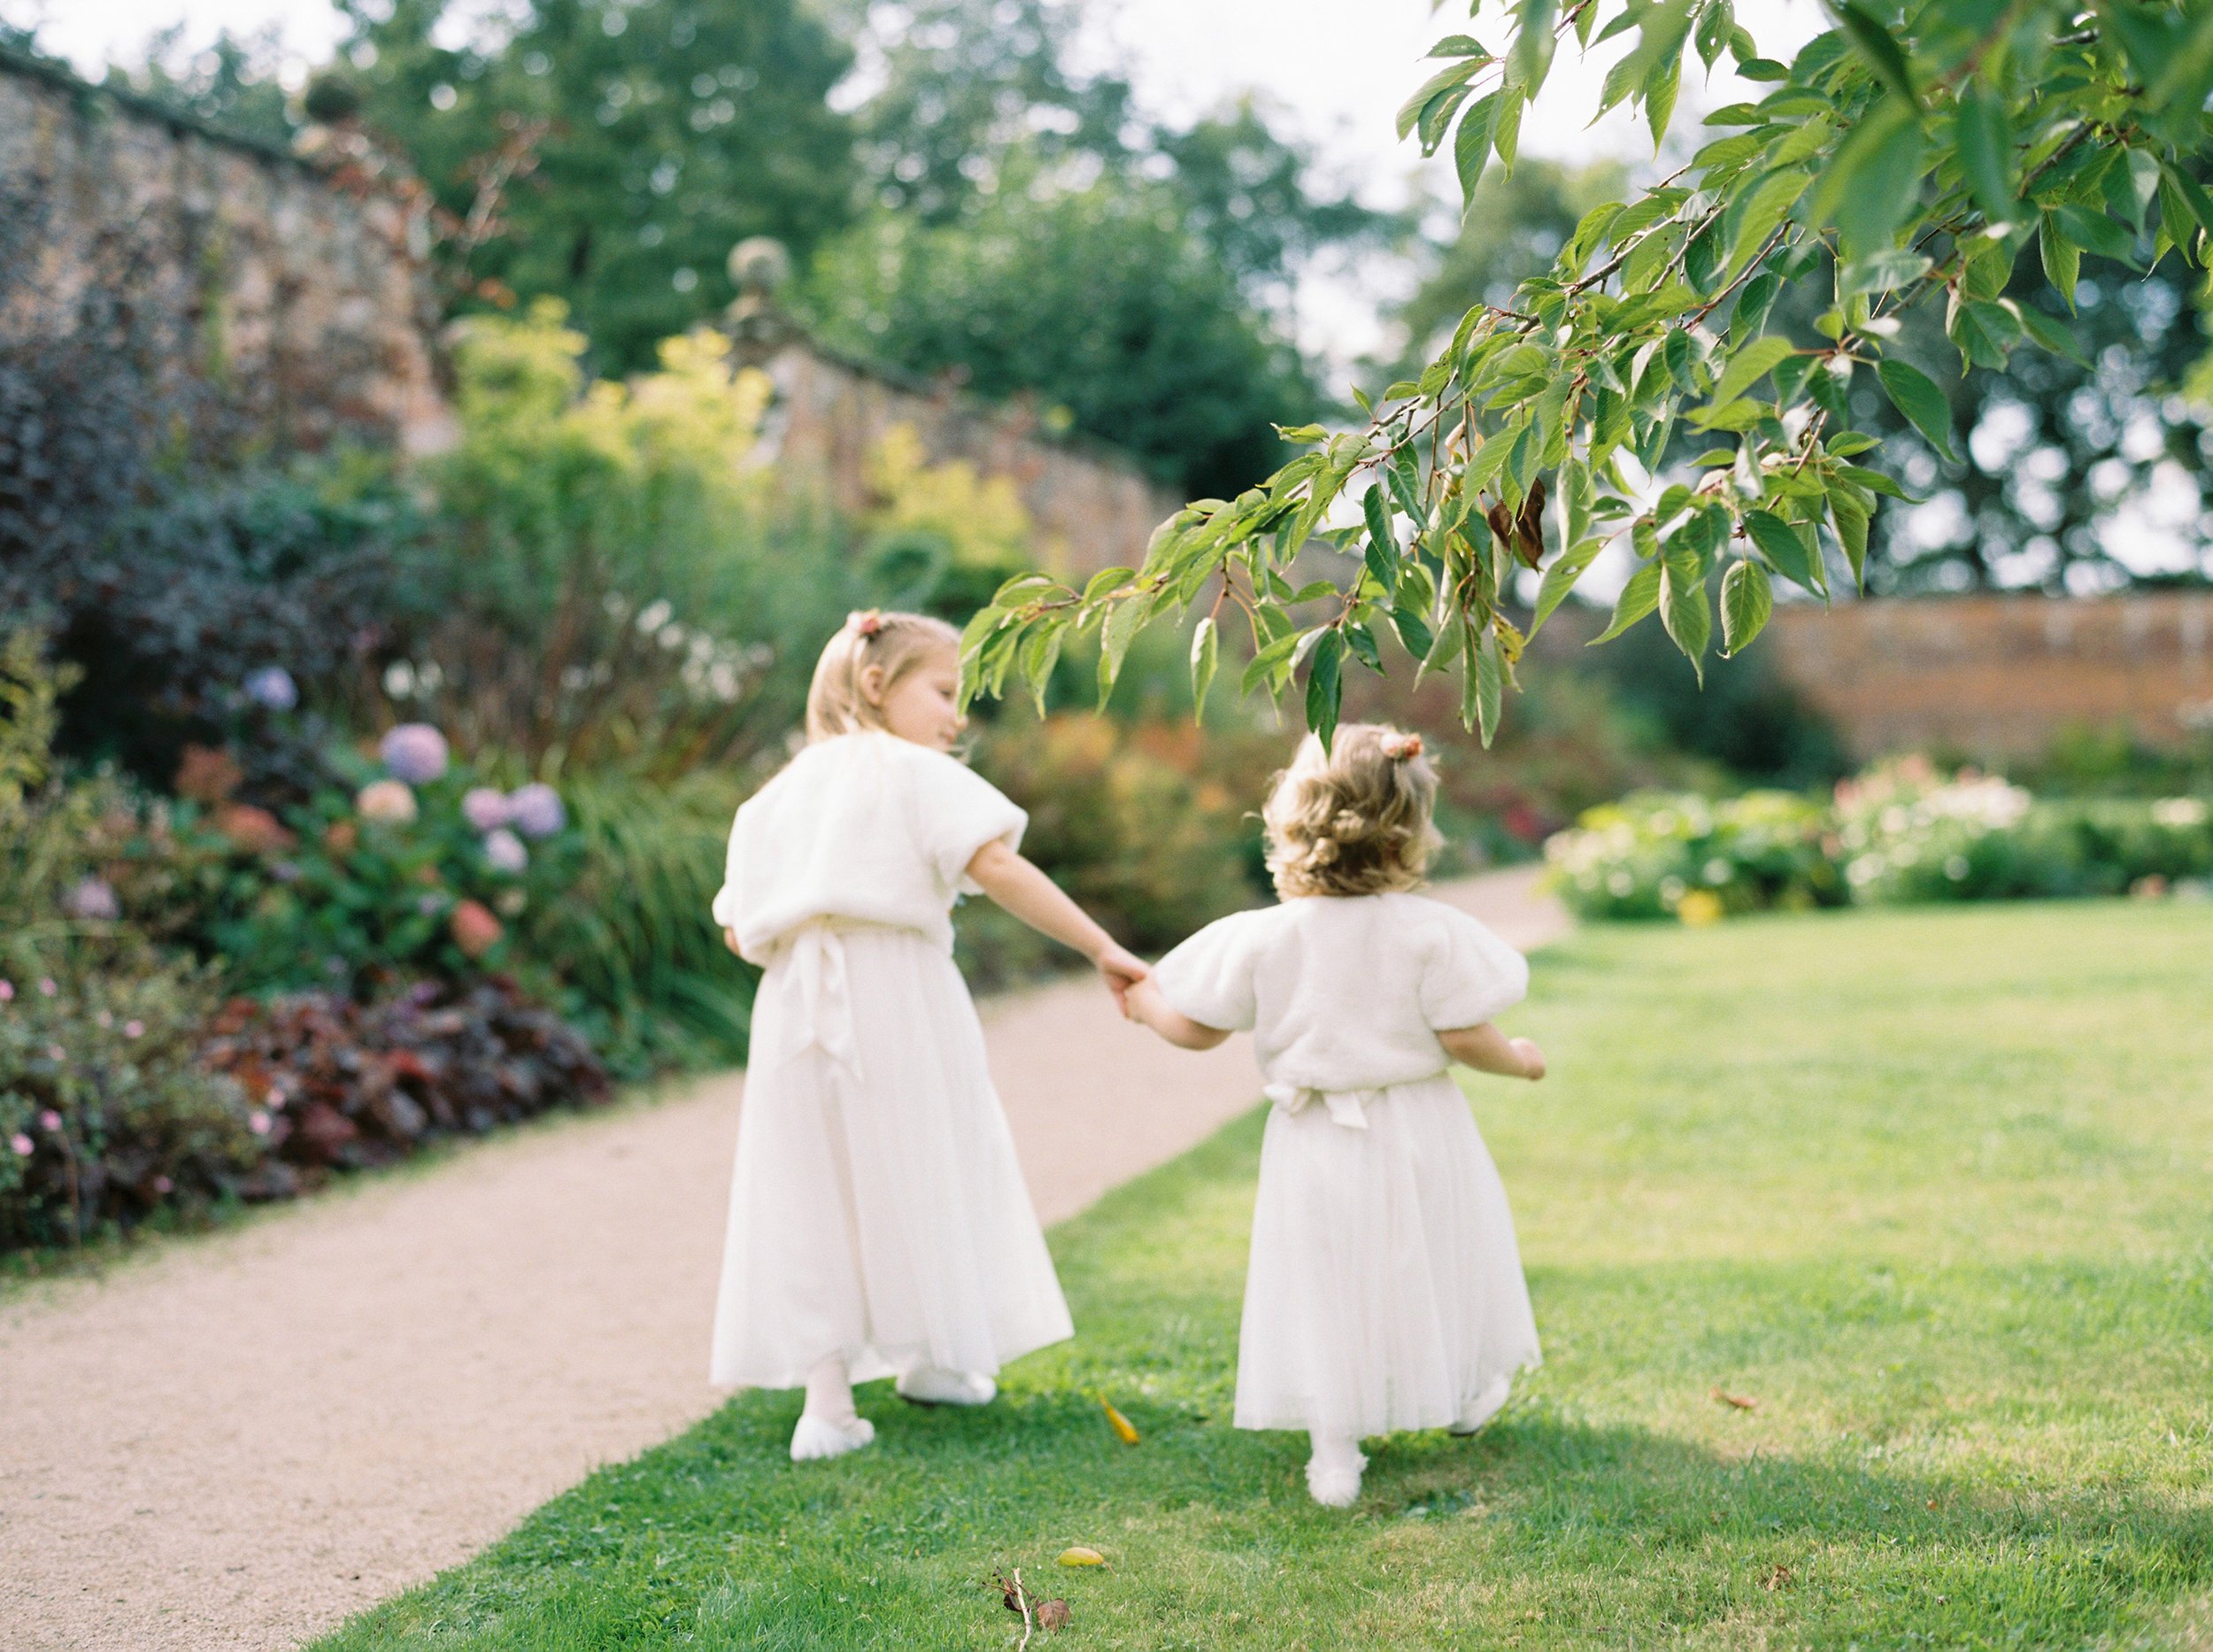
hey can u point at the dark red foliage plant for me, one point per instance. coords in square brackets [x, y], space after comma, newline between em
[341, 1085]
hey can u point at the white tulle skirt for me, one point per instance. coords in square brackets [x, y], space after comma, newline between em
[1385, 1289]
[877, 1210]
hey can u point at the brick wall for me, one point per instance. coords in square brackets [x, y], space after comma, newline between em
[1092, 507]
[1999, 675]
[311, 297]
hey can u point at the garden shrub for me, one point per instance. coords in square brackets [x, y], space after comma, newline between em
[418, 872]
[336, 1085]
[1136, 821]
[171, 552]
[1655, 854]
[643, 967]
[1903, 831]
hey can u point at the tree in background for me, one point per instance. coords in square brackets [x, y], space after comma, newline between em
[1902, 156]
[670, 132]
[1035, 235]
[231, 84]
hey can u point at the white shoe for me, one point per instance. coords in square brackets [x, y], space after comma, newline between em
[933, 1385]
[1487, 1406]
[817, 1437]
[1333, 1476]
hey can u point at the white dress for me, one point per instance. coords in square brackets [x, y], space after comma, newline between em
[1385, 1289]
[877, 1210]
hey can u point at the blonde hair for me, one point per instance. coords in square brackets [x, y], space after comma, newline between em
[1355, 819]
[895, 643]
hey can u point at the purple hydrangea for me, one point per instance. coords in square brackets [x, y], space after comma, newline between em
[536, 811]
[415, 753]
[92, 900]
[485, 807]
[272, 687]
[505, 852]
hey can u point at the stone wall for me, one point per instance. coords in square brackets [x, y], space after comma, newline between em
[1092, 507]
[1999, 675]
[311, 297]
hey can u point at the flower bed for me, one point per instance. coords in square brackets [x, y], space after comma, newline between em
[1899, 832]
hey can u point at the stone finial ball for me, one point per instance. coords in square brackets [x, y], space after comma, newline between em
[760, 264]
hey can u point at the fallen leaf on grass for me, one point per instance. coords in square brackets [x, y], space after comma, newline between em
[1120, 1425]
[1776, 1577]
[1742, 1402]
[1054, 1616]
[1081, 1556]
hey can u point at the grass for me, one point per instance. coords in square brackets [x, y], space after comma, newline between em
[1934, 1189]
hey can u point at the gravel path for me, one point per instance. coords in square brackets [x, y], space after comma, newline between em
[235, 1441]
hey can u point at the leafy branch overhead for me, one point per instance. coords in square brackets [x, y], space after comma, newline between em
[1901, 157]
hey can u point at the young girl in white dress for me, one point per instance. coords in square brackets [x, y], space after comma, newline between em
[1384, 1290]
[879, 1225]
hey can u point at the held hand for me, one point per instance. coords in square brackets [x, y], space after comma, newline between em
[1122, 970]
[729, 939]
[1532, 1058]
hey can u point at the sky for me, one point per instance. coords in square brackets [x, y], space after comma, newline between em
[1336, 71]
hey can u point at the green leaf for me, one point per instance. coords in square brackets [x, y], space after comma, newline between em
[1985, 333]
[1451, 75]
[1685, 613]
[1561, 577]
[1532, 42]
[1639, 597]
[1414, 631]
[2053, 335]
[1786, 549]
[1915, 394]
[1490, 684]
[1383, 548]
[1660, 87]
[1875, 180]
[1205, 654]
[1471, 144]
[1983, 136]
[1325, 692]
[1123, 622]
[1748, 366]
[1882, 54]
[2097, 233]
[1850, 516]
[2062, 260]
[1746, 599]
[1762, 212]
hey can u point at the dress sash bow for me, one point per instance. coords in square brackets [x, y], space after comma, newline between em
[1348, 1107]
[819, 997]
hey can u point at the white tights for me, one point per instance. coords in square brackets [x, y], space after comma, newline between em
[830, 1392]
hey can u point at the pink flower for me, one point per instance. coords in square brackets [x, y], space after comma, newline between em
[388, 802]
[162, 1184]
[46, 987]
[21, 1144]
[7, 990]
[105, 1019]
[414, 752]
[484, 807]
[276, 1096]
[504, 851]
[49, 1120]
[258, 1121]
[535, 810]
[133, 1028]
[474, 930]
[55, 1053]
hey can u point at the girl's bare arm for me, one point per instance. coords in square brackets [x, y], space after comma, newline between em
[1488, 1050]
[1144, 1004]
[1018, 885]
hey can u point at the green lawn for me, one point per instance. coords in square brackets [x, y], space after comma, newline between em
[1934, 1189]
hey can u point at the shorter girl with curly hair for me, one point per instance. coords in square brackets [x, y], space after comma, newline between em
[1385, 1289]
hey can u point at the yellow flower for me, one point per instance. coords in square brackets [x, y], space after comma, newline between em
[1700, 907]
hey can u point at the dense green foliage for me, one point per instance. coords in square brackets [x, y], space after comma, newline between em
[1169, 363]
[609, 155]
[1903, 831]
[1943, 1233]
[1897, 158]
